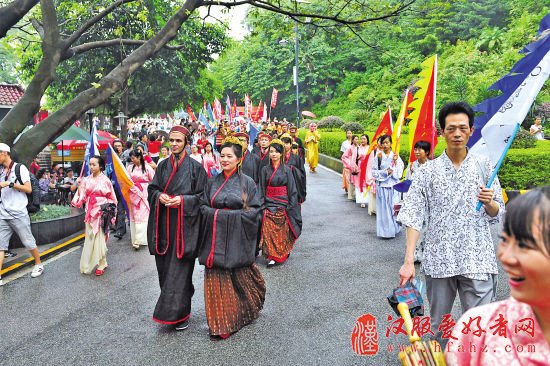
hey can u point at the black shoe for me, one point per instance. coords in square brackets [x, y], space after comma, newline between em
[8, 254]
[118, 236]
[182, 325]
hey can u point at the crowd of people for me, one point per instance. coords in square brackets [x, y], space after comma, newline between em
[216, 196]
[188, 190]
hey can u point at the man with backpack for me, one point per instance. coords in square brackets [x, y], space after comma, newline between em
[15, 185]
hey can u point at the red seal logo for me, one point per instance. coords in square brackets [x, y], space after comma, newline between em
[364, 337]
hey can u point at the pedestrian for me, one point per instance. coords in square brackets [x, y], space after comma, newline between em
[234, 289]
[345, 171]
[387, 170]
[210, 161]
[146, 157]
[141, 174]
[459, 253]
[125, 157]
[96, 191]
[263, 151]
[14, 216]
[250, 162]
[195, 153]
[421, 151]
[282, 220]
[524, 251]
[173, 229]
[352, 159]
[295, 164]
[312, 145]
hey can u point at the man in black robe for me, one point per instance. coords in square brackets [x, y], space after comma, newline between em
[251, 163]
[173, 229]
[263, 152]
[297, 140]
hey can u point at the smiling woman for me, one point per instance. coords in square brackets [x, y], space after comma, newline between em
[517, 330]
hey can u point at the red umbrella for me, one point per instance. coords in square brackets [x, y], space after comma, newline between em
[308, 114]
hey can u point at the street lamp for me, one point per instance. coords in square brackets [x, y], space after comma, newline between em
[90, 113]
[295, 69]
[121, 121]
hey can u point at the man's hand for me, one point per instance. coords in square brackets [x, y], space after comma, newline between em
[485, 195]
[406, 273]
[164, 198]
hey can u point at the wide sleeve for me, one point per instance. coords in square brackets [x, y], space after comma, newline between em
[348, 157]
[379, 174]
[293, 209]
[154, 189]
[150, 172]
[415, 208]
[111, 196]
[191, 202]
[81, 194]
[398, 169]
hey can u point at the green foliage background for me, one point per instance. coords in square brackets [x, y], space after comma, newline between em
[355, 73]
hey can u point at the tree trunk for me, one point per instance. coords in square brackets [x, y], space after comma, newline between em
[33, 141]
[13, 13]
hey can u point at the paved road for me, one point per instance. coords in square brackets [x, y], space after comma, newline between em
[338, 271]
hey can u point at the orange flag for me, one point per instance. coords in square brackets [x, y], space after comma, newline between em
[423, 121]
[384, 128]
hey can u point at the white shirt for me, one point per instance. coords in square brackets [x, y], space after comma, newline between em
[538, 135]
[345, 145]
[458, 238]
[13, 203]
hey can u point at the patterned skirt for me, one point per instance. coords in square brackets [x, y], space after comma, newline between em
[233, 298]
[277, 239]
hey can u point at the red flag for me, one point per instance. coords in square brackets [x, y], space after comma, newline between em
[259, 112]
[274, 96]
[384, 128]
[191, 114]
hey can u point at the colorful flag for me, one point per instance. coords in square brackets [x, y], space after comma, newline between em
[218, 110]
[191, 113]
[274, 96]
[252, 133]
[259, 112]
[204, 122]
[119, 176]
[209, 112]
[228, 108]
[264, 114]
[494, 129]
[423, 122]
[384, 128]
[396, 136]
[234, 110]
[92, 149]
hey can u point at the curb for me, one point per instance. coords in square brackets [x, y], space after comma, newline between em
[44, 255]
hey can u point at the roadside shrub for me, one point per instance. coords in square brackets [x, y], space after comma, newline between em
[355, 127]
[524, 140]
[358, 115]
[330, 122]
[49, 212]
[306, 122]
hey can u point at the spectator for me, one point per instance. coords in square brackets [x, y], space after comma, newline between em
[46, 186]
[536, 129]
[13, 209]
[195, 154]
[154, 148]
[125, 157]
[35, 166]
[164, 153]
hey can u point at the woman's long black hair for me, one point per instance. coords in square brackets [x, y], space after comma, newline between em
[137, 153]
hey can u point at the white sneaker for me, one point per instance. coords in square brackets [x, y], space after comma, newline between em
[37, 271]
[1, 283]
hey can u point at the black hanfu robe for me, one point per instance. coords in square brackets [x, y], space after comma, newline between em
[273, 184]
[251, 166]
[175, 254]
[298, 171]
[235, 228]
[234, 290]
[263, 159]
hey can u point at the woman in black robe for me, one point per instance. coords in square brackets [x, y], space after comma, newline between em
[282, 220]
[234, 290]
[296, 167]
[173, 229]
